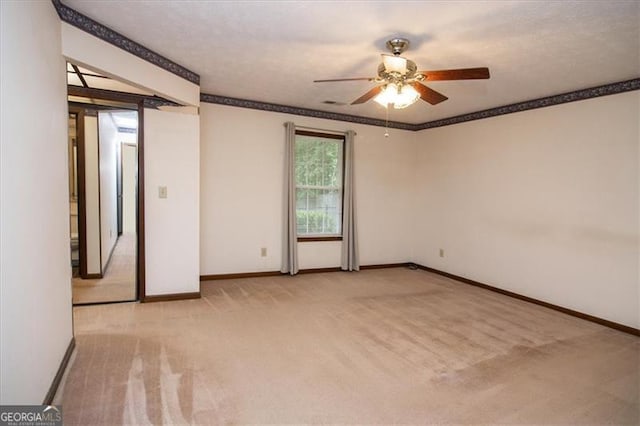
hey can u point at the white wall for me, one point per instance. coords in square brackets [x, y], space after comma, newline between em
[84, 49]
[543, 203]
[92, 194]
[35, 271]
[129, 182]
[171, 159]
[241, 192]
[108, 137]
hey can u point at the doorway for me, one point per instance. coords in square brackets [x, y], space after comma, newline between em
[104, 155]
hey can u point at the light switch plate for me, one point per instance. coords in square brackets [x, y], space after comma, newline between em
[162, 192]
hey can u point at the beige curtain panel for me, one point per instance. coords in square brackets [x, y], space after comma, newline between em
[350, 257]
[289, 225]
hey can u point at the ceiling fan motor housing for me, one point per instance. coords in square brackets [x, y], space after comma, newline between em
[409, 72]
[398, 45]
[398, 70]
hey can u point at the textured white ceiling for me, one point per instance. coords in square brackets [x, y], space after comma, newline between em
[272, 51]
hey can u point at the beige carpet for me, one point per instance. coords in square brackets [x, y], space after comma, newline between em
[374, 347]
[119, 281]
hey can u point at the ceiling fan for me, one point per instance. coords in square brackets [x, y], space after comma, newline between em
[399, 83]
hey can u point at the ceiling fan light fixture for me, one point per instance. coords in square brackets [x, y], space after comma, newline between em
[387, 95]
[394, 64]
[400, 97]
[398, 82]
[405, 97]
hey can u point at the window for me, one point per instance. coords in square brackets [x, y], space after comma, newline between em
[319, 171]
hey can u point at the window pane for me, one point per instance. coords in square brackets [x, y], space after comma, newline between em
[319, 211]
[332, 165]
[318, 161]
[318, 185]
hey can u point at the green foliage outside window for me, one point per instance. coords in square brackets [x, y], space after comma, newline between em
[317, 162]
[314, 221]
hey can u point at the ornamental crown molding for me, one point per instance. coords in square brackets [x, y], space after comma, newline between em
[577, 95]
[105, 33]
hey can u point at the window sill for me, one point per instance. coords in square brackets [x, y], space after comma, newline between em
[313, 239]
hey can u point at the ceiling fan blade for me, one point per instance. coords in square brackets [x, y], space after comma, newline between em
[428, 94]
[459, 74]
[370, 94]
[344, 79]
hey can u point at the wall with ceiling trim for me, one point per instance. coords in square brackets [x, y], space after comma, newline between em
[241, 192]
[169, 252]
[543, 203]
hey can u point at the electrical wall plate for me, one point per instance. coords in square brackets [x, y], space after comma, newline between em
[162, 192]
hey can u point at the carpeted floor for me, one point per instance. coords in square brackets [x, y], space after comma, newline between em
[373, 347]
[119, 281]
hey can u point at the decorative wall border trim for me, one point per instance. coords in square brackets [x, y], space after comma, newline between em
[105, 33]
[577, 95]
[306, 112]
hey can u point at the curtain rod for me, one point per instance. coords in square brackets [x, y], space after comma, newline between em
[323, 130]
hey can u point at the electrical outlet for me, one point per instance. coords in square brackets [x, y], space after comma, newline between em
[441, 252]
[263, 252]
[162, 192]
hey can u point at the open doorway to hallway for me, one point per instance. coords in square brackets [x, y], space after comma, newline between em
[103, 205]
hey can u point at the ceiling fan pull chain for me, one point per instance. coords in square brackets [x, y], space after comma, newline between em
[386, 123]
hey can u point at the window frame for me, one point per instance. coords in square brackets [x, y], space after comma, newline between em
[328, 237]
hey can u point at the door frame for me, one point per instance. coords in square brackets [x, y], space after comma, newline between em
[140, 225]
[80, 176]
